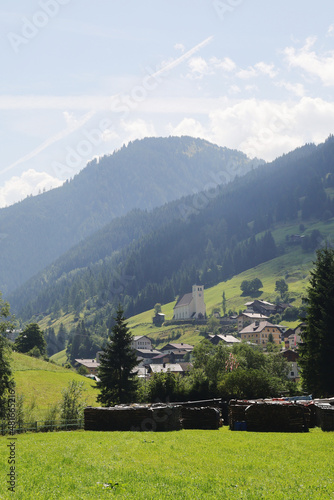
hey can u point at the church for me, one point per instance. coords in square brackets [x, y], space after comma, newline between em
[191, 305]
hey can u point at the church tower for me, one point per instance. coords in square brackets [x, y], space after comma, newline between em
[198, 301]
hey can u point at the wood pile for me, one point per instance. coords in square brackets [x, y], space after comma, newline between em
[276, 417]
[269, 416]
[200, 418]
[236, 412]
[325, 417]
[133, 418]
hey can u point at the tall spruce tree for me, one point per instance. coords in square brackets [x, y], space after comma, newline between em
[317, 348]
[118, 382]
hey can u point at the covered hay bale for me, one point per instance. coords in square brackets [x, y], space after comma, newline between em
[200, 418]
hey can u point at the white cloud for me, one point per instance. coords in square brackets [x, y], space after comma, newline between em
[330, 31]
[234, 89]
[179, 46]
[260, 68]
[188, 126]
[267, 129]
[137, 129]
[245, 74]
[198, 67]
[296, 88]
[225, 64]
[321, 66]
[30, 182]
[266, 69]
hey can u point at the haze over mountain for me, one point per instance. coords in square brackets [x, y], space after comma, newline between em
[162, 254]
[145, 174]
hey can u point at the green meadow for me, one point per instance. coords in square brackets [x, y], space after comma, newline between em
[188, 464]
[41, 383]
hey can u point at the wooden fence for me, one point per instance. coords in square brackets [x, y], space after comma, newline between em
[41, 426]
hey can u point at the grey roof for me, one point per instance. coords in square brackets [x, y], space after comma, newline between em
[174, 347]
[172, 367]
[227, 338]
[184, 300]
[251, 315]
[88, 363]
[148, 351]
[137, 337]
[257, 328]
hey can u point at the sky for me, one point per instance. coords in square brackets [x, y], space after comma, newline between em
[81, 78]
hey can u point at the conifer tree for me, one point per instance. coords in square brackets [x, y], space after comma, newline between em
[118, 381]
[317, 348]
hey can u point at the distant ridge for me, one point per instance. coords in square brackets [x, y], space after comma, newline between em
[145, 174]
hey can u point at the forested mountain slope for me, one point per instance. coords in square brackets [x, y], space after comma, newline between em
[143, 175]
[227, 234]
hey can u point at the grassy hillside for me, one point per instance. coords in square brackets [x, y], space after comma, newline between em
[41, 382]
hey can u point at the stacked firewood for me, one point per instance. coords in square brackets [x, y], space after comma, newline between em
[200, 418]
[133, 418]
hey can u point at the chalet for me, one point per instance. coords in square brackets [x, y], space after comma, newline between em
[261, 307]
[141, 342]
[225, 339]
[191, 305]
[248, 317]
[145, 356]
[176, 356]
[259, 332]
[91, 365]
[168, 348]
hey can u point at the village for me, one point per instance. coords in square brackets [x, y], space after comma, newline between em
[252, 326]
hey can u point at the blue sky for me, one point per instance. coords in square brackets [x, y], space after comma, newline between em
[82, 78]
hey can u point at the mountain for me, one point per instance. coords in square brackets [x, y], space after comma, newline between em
[230, 231]
[143, 175]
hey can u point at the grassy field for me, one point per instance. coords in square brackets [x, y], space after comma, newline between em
[177, 465]
[43, 382]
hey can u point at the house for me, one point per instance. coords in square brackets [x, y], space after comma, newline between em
[145, 356]
[261, 307]
[180, 368]
[176, 356]
[141, 342]
[168, 348]
[91, 365]
[248, 317]
[259, 331]
[191, 305]
[292, 357]
[225, 339]
[285, 337]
